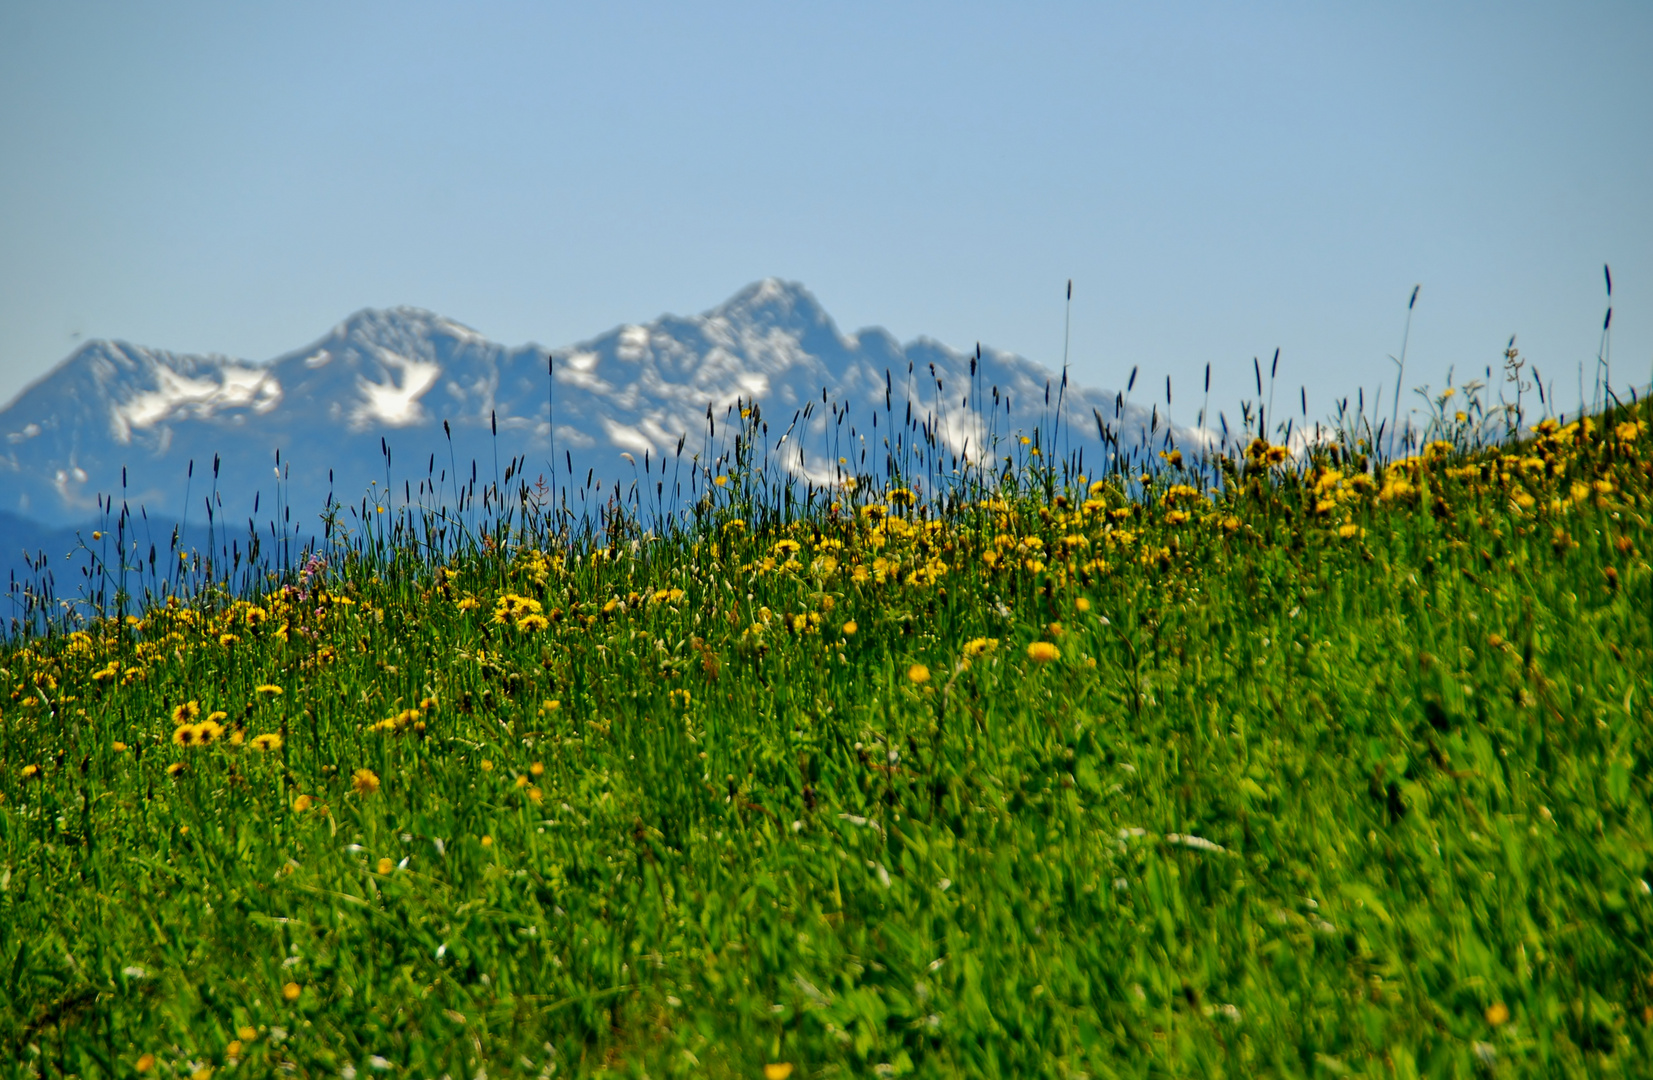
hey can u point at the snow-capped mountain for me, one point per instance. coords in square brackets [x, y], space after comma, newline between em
[416, 381]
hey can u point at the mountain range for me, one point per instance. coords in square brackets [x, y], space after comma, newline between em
[179, 433]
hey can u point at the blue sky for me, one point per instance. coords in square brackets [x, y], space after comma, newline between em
[1218, 180]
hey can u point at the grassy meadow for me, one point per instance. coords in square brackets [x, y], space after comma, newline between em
[1265, 764]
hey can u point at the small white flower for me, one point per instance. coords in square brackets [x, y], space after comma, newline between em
[348, 1072]
[135, 972]
[378, 1062]
[1198, 843]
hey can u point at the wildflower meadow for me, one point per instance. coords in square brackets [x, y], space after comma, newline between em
[1285, 756]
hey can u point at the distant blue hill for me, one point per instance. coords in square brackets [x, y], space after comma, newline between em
[129, 422]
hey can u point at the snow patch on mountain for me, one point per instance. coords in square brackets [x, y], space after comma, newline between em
[395, 402]
[177, 395]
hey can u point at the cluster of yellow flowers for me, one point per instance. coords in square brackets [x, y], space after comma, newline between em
[523, 612]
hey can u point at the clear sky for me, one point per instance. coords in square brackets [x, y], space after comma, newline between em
[1218, 180]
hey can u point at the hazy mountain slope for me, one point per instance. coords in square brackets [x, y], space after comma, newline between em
[124, 421]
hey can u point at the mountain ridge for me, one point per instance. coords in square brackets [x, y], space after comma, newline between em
[121, 420]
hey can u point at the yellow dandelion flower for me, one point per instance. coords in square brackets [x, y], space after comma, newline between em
[1498, 1013]
[487, 766]
[303, 803]
[208, 732]
[469, 603]
[270, 689]
[187, 713]
[176, 769]
[536, 796]
[1348, 529]
[487, 841]
[850, 628]
[226, 640]
[216, 715]
[183, 735]
[720, 481]
[537, 768]
[978, 647]
[246, 1034]
[267, 742]
[386, 866]
[118, 747]
[291, 991]
[364, 781]
[777, 1070]
[29, 772]
[918, 674]
[144, 1063]
[1043, 652]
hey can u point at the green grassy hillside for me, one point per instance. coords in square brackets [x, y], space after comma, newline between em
[1338, 769]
